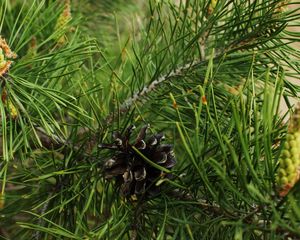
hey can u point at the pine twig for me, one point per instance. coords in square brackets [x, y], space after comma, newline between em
[147, 89]
[140, 95]
[37, 234]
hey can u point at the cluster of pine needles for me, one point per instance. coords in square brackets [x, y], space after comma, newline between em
[149, 119]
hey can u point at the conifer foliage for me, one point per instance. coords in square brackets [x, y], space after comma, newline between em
[209, 77]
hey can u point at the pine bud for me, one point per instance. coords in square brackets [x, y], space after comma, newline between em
[281, 7]
[6, 49]
[289, 160]
[5, 54]
[12, 110]
[212, 6]
[2, 59]
[63, 20]
[32, 50]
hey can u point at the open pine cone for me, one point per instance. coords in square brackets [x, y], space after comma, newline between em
[135, 176]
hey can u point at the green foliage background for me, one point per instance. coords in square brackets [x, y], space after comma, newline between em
[127, 62]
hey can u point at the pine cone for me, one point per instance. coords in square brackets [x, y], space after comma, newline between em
[134, 175]
[289, 160]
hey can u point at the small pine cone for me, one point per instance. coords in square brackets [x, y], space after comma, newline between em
[12, 110]
[289, 160]
[135, 176]
[62, 23]
[6, 49]
[4, 67]
[5, 54]
[4, 63]
[65, 17]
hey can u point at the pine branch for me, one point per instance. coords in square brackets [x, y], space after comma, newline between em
[231, 47]
[228, 170]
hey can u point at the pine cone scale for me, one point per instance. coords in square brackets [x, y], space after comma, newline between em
[140, 174]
